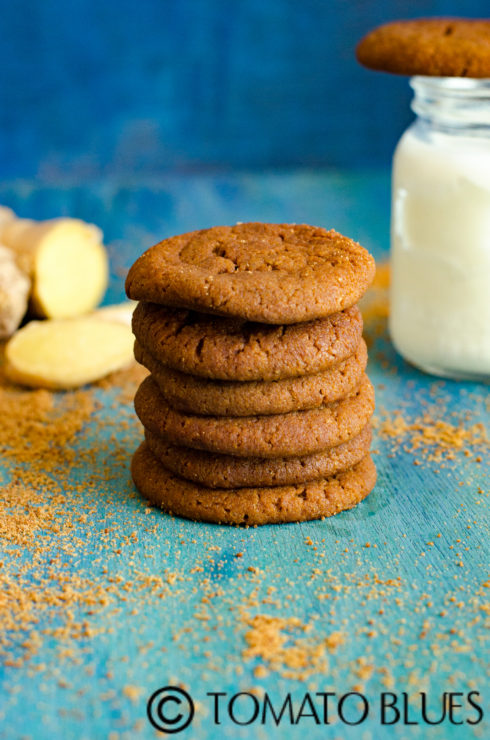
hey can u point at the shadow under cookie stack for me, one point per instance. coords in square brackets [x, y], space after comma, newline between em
[257, 409]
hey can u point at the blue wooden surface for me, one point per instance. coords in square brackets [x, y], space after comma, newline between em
[92, 87]
[321, 572]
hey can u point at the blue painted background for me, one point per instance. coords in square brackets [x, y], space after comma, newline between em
[113, 87]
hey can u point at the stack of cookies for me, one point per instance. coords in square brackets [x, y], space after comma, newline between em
[257, 408]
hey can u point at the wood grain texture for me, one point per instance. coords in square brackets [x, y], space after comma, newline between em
[386, 598]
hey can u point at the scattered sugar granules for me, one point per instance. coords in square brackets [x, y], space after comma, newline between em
[41, 507]
[276, 641]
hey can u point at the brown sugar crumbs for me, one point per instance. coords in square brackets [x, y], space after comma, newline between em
[40, 509]
[434, 439]
[271, 638]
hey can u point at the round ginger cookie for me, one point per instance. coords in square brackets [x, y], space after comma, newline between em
[225, 471]
[226, 349]
[250, 506]
[194, 395]
[435, 47]
[277, 435]
[270, 273]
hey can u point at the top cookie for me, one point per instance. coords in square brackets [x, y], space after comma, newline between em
[269, 273]
[436, 47]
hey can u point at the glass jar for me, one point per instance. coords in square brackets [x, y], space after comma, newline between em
[440, 235]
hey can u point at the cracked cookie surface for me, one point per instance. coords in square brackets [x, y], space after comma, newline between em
[194, 395]
[270, 273]
[226, 349]
[278, 435]
[438, 47]
[225, 471]
[251, 506]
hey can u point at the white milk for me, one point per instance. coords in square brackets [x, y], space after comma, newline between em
[440, 259]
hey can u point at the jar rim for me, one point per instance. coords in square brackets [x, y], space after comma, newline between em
[452, 86]
[453, 103]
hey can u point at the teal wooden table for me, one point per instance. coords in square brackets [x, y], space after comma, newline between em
[374, 605]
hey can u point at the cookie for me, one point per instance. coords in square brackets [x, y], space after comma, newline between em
[223, 349]
[271, 273]
[250, 506]
[194, 395]
[279, 435]
[440, 47]
[226, 471]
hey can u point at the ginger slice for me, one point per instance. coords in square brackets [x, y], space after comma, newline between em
[14, 293]
[120, 312]
[66, 353]
[66, 261]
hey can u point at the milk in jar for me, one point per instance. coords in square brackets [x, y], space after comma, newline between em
[440, 241]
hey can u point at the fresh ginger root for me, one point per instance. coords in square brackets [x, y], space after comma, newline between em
[65, 260]
[6, 215]
[14, 293]
[66, 353]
